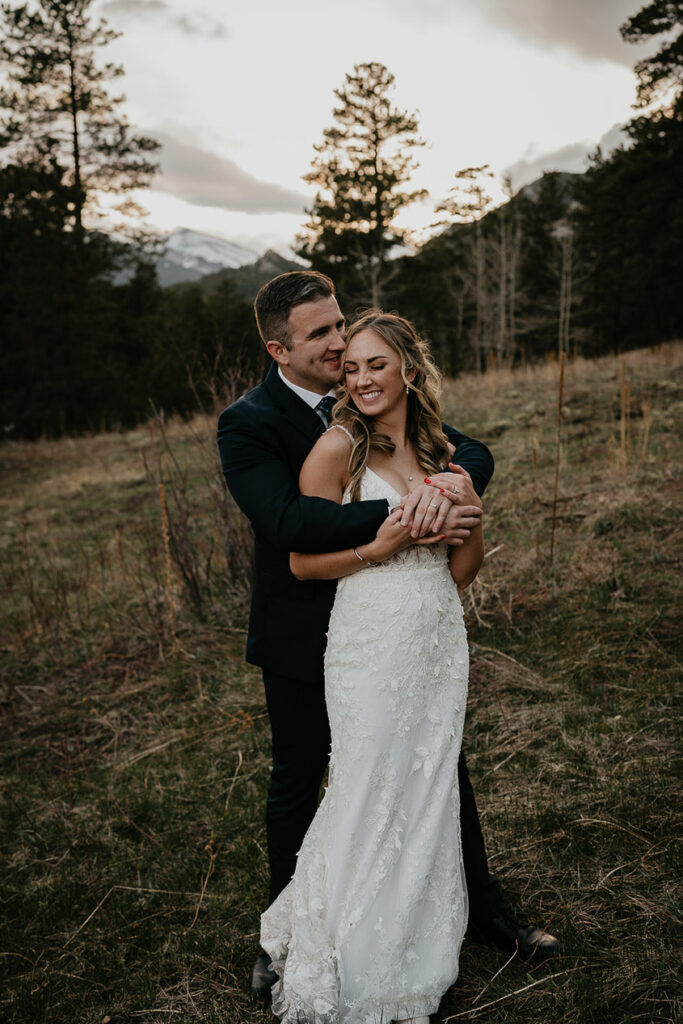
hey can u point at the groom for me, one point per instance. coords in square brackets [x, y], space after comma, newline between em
[264, 439]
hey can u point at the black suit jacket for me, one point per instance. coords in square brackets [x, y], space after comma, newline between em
[264, 439]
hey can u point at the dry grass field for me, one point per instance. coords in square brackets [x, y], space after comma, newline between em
[134, 754]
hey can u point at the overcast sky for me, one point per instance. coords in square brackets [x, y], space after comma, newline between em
[238, 93]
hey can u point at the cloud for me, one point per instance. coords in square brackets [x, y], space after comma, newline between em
[193, 24]
[573, 158]
[590, 28]
[199, 24]
[207, 179]
[587, 27]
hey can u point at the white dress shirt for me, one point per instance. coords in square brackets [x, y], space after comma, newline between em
[311, 398]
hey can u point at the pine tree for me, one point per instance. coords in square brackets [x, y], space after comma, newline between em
[57, 106]
[630, 214]
[360, 169]
[63, 142]
[663, 71]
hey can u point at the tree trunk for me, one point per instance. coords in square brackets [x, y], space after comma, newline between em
[565, 294]
[75, 140]
[379, 255]
[515, 251]
[503, 260]
[480, 297]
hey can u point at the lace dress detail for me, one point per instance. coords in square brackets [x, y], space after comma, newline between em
[370, 927]
[338, 426]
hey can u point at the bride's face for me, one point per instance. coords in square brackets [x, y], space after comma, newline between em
[372, 370]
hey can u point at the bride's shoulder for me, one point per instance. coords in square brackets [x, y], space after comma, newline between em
[335, 443]
[334, 446]
[340, 436]
[327, 462]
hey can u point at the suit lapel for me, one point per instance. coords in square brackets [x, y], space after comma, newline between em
[300, 415]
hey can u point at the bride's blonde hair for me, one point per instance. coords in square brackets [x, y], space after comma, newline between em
[423, 426]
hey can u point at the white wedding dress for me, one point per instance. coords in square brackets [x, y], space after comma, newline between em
[370, 927]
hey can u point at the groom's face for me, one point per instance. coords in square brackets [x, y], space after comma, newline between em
[317, 339]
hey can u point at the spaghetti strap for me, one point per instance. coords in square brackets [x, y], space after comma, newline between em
[338, 426]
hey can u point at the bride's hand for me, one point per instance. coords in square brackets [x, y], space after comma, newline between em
[392, 537]
[424, 508]
[456, 486]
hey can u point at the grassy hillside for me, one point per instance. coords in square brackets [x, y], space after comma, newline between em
[135, 741]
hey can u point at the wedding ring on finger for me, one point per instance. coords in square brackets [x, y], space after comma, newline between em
[432, 505]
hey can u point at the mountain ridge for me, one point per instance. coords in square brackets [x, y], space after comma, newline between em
[192, 255]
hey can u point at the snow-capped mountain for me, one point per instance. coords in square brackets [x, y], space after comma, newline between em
[190, 255]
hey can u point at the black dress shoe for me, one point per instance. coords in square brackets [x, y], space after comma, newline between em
[509, 935]
[262, 979]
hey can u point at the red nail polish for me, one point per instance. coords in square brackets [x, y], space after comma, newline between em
[427, 480]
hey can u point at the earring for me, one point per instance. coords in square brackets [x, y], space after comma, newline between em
[407, 389]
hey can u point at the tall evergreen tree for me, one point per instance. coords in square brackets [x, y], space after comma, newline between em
[360, 168]
[662, 72]
[57, 102]
[630, 213]
[63, 142]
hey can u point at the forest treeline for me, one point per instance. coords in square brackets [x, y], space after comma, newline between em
[587, 263]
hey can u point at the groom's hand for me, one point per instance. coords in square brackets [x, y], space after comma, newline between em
[459, 522]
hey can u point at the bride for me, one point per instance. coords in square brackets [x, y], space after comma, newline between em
[369, 929]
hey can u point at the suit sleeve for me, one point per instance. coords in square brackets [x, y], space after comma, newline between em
[262, 484]
[473, 456]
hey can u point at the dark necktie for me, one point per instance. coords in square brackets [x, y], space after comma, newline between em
[325, 406]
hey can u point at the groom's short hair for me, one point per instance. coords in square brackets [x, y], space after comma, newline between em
[278, 296]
